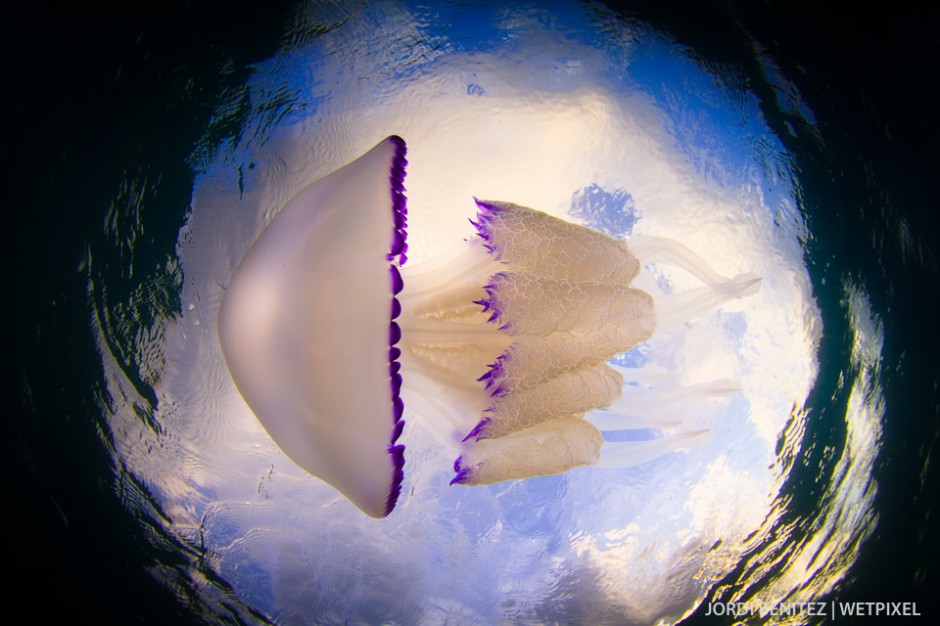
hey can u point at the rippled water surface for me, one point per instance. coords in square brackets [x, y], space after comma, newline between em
[586, 112]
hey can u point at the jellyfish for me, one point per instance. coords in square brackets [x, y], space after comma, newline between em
[502, 345]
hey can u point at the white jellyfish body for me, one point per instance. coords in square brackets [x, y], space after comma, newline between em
[502, 345]
[304, 327]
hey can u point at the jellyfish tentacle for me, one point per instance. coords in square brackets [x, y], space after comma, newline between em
[664, 408]
[527, 304]
[574, 391]
[617, 454]
[546, 448]
[436, 332]
[665, 399]
[447, 421]
[538, 358]
[606, 420]
[562, 380]
[534, 242]
[582, 295]
[674, 311]
[664, 250]
[563, 295]
[468, 264]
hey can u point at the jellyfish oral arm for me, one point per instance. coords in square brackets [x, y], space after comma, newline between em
[553, 303]
[565, 313]
[673, 311]
[550, 447]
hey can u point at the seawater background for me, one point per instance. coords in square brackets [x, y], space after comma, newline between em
[109, 121]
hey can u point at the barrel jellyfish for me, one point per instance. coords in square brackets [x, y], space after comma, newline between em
[501, 345]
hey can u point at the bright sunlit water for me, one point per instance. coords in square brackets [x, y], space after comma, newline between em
[576, 111]
[552, 107]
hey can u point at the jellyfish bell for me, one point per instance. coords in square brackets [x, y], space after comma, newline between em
[501, 346]
[305, 328]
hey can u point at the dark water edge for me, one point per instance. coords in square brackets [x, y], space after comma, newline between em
[866, 173]
[91, 100]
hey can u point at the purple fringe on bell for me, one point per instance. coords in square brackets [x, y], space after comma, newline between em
[397, 250]
[399, 202]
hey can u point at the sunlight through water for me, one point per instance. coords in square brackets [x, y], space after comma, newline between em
[581, 115]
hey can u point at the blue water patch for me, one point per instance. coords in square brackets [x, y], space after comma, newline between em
[717, 124]
[610, 212]
[636, 357]
[632, 434]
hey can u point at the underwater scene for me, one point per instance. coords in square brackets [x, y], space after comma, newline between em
[472, 313]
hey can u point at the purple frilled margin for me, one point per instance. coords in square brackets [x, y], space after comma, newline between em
[494, 375]
[398, 248]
